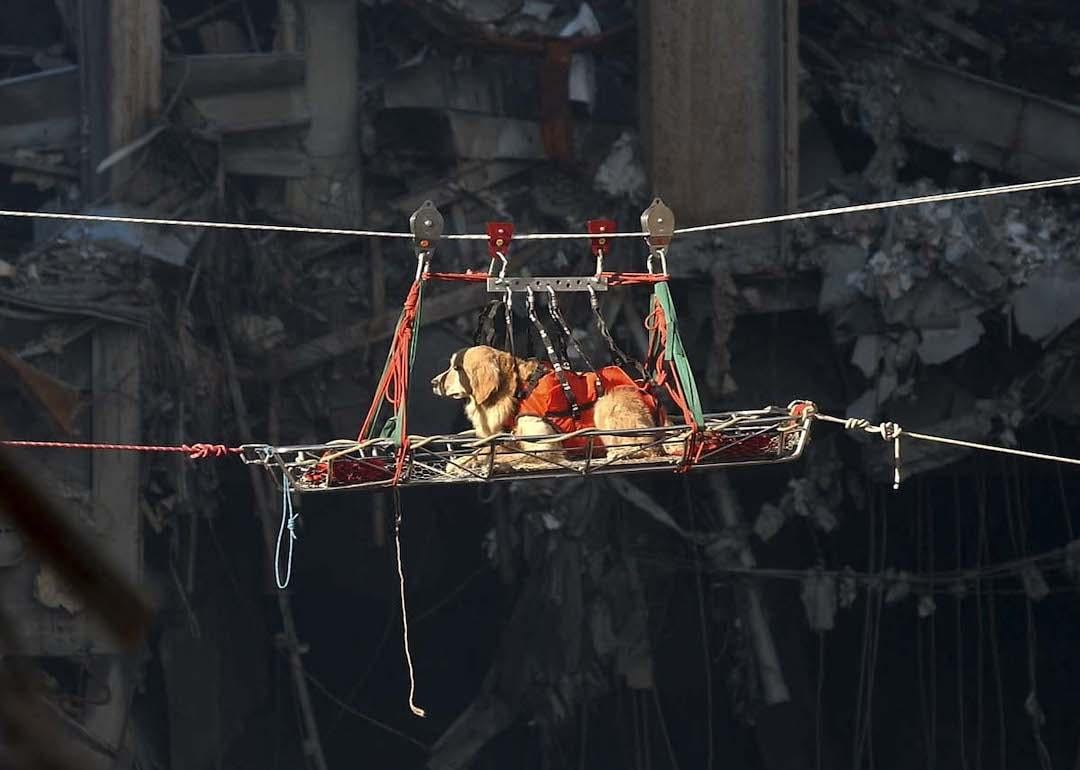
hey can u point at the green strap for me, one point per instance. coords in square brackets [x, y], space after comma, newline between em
[391, 429]
[676, 353]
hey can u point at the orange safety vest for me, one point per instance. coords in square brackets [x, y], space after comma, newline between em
[548, 401]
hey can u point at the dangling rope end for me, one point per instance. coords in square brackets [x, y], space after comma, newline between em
[416, 710]
[890, 431]
[896, 463]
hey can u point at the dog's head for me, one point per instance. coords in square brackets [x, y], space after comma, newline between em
[477, 373]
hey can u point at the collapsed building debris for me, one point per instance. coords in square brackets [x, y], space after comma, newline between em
[528, 112]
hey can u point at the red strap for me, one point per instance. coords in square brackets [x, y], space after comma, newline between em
[631, 279]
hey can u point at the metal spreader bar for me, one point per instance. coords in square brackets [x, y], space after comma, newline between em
[499, 284]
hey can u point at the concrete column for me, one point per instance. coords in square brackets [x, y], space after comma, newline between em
[719, 105]
[332, 193]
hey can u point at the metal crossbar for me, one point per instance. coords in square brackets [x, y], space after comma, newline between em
[500, 284]
[756, 437]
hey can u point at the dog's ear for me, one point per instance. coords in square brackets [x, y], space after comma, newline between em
[485, 374]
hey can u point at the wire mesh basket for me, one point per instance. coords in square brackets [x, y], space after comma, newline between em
[755, 437]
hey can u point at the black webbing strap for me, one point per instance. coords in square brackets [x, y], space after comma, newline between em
[558, 342]
[568, 336]
[618, 356]
[508, 319]
[557, 364]
[485, 324]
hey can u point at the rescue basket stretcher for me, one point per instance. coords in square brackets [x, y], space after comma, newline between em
[385, 454]
[727, 439]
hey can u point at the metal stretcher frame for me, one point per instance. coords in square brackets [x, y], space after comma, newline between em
[728, 439]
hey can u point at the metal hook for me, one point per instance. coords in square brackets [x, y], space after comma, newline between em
[662, 254]
[502, 268]
[556, 316]
[508, 316]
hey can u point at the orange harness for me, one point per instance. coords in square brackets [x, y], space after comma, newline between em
[548, 401]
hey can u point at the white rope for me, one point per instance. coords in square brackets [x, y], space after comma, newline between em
[404, 612]
[854, 209]
[999, 449]
[890, 431]
[288, 521]
[798, 215]
[200, 223]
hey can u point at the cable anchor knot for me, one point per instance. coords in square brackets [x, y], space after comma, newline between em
[203, 451]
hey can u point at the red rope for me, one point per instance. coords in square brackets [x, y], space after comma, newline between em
[194, 451]
[465, 277]
[399, 354]
[401, 377]
[656, 323]
[394, 383]
[631, 279]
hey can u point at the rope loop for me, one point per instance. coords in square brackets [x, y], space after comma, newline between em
[288, 522]
[890, 431]
[661, 254]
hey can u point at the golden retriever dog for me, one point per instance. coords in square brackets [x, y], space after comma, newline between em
[494, 385]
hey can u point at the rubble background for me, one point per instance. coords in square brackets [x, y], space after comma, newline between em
[626, 623]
